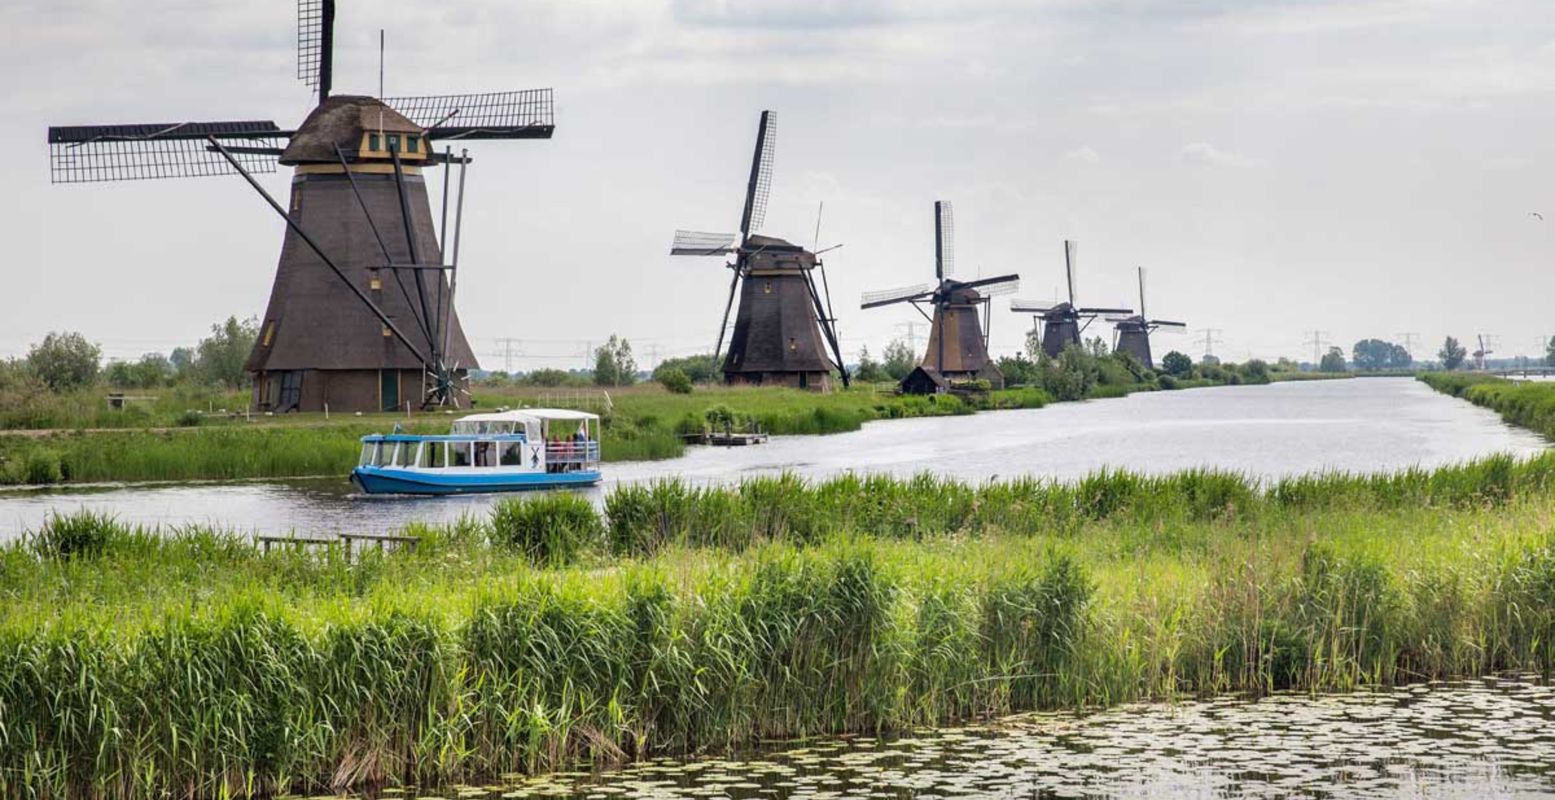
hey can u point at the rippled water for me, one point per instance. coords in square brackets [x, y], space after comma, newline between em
[1474, 739]
[1271, 431]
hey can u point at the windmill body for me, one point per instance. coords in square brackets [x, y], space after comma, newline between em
[958, 334]
[1132, 333]
[316, 345]
[1063, 323]
[361, 313]
[784, 333]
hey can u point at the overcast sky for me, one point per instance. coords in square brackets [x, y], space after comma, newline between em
[1364, 167]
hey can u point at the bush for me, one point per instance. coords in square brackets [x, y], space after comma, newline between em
[1177, 365]
[550, 529]
[83, 534]
[43, 466]
[675, 380]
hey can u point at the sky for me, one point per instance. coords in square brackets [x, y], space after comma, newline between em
[1362, 168]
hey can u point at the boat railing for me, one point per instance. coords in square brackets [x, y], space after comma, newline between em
[572, 452]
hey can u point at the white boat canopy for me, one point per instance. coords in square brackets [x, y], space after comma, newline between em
[535, 423]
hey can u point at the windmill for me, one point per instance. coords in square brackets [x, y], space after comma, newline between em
[1131, 334]
[1485, 345]
[1063, 322]
[783, 330]
[958, 332]
[361, 313]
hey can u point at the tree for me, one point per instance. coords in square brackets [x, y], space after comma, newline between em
[1018, 370]
[1549, 353]
[1452, 354]
[1034, 343]
[1399, 358]
[1177, 365]
[1256, 371]
[613, 363]
[700, 368]
[1333, 361]
[220, 359]
[1372, 354]
[674, 380]
[899, 360]
[869, 370]
[65, 361]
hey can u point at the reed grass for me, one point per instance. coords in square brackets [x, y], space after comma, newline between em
[184, 662]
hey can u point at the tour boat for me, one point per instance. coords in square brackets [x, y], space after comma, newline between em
[508, 451]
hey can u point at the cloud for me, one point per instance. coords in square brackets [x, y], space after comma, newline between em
[1209, 155]
[1083, 154]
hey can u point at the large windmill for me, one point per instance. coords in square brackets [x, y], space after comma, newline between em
[1062, 323]
[958, 334]
[783, 331]
[1131, 334]
[361, 314]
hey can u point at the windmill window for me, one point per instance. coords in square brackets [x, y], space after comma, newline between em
[375, 283]
[386, 332]
[373, 142]
[413, 143]
[793, 344]
[766, 287]
[394, 142]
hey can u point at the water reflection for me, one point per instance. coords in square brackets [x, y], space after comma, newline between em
[1284, 429]
[1487, 738]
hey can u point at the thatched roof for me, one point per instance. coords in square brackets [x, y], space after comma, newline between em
[341, 120]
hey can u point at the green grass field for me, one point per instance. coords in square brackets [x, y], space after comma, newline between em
[140, 663]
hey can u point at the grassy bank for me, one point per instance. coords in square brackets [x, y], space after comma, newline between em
[136, 664]
[1527, 404]
[646, 423]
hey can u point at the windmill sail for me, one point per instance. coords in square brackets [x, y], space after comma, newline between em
[760, 184]
[95, 153]
[315, 44]
[886, 297]
[944, 240]
[525, 114]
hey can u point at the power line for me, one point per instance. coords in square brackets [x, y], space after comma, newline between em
[1211, 338]
[1317, 339]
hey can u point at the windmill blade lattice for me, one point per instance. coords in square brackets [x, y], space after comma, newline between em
[310, 41]
[525, 114]
[700, 243]
[889, 296]
[760, 185]
[1033, 306]
[94, 153]
[999, 288]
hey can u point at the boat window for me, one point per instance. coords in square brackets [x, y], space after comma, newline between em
[459, 454]
[407, 455]
[432, 455]
[512, 454]
[369, 452]
[385, 455]
[485, 454]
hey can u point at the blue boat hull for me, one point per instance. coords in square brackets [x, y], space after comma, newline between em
[378, 480]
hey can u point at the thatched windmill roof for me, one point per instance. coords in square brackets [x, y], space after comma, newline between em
[341, 120]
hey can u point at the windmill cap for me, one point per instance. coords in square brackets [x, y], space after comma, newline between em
[770, 243]
[341, 121]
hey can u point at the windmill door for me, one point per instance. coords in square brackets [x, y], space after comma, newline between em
[290, 396]
[389, 389]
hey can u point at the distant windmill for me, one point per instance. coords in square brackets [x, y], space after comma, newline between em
[1132, 333]
[958, 334]
[1063, 322]
[783, 330]
[1485, 345]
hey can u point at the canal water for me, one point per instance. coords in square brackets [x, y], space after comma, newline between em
[1490, 738]
[1362, 425]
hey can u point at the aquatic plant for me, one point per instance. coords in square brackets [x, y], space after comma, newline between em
[188, 663]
